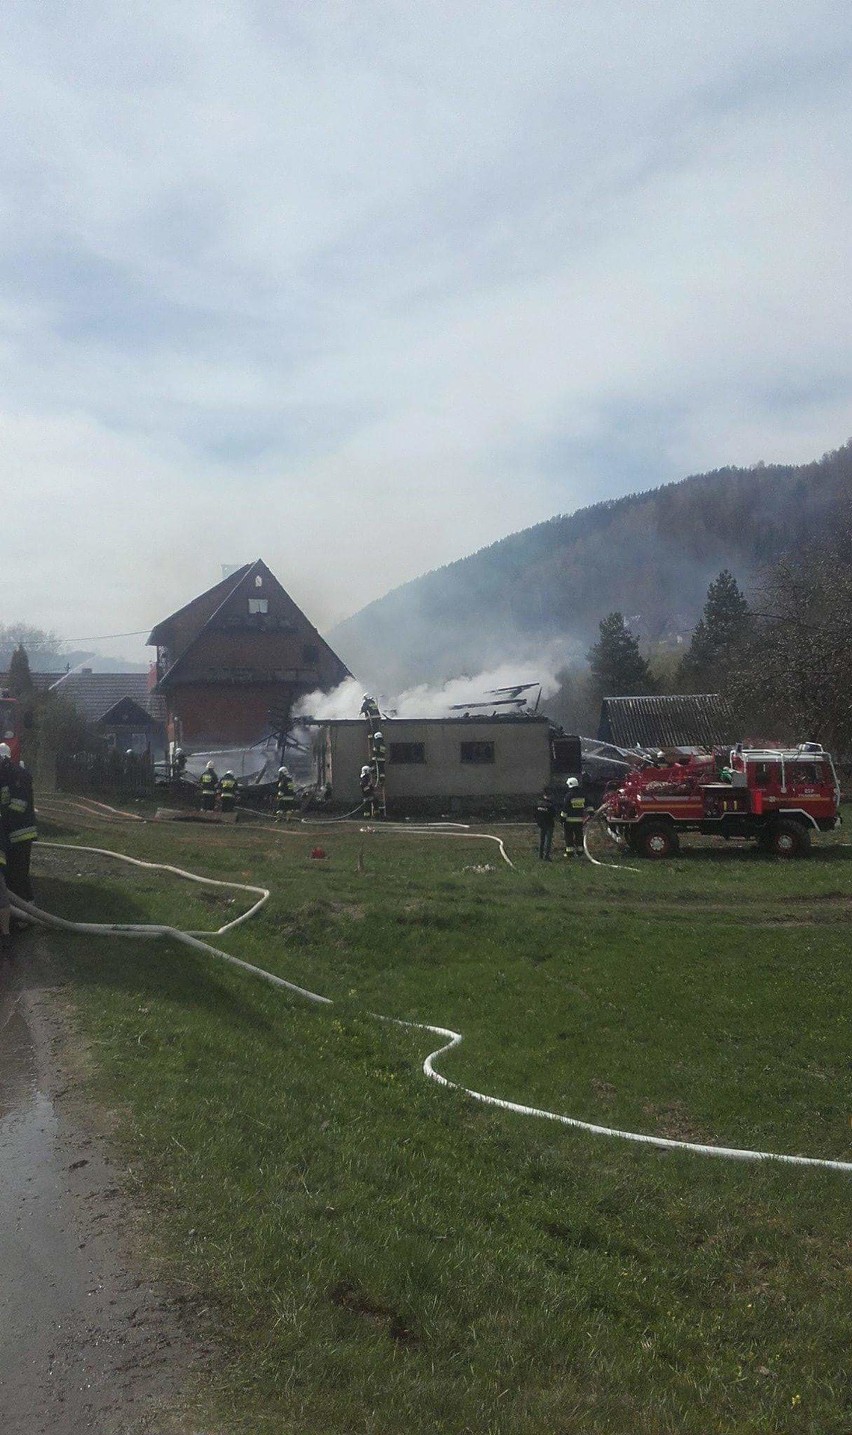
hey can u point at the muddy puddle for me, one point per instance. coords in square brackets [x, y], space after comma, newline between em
[87, 1342]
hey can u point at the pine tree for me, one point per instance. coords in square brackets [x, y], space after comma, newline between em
[618, 668]
[718, 638]
[20, 678]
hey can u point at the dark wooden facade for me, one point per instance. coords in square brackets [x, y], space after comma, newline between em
[232, 663]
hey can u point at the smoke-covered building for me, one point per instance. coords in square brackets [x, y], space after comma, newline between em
[233, 661]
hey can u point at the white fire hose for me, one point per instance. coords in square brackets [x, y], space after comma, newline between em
[454, 1038]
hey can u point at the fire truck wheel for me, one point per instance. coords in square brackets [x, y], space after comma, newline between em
[786, 838]
[657, 839]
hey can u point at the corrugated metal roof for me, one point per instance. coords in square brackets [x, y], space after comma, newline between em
[676, 720]
[93, 694]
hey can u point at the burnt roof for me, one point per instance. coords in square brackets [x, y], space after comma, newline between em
[676, 720]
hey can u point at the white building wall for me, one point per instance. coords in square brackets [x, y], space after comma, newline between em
[520, 769]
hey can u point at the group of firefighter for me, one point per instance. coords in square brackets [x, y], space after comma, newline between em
[570, 807]
[372, 779]
[226, 790]
[17, 834]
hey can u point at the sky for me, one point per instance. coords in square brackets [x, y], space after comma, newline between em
[361, 288]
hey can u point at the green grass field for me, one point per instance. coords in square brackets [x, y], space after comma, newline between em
[386, 1256]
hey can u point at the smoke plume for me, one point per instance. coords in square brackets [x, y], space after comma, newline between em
[427, 700]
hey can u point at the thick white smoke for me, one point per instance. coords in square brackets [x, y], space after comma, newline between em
[342, 702]
[430, 701]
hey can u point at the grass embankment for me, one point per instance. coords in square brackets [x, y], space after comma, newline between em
[386, 1256]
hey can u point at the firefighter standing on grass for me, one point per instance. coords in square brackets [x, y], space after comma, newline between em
[19, 820]
[572, 816]
[285, 795]
[5, 905]
[228, 792]
[208, 782]
[545, 816]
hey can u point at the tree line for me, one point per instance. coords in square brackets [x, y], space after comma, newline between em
[782, 658]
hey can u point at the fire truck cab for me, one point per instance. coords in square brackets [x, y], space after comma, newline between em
[777, 797]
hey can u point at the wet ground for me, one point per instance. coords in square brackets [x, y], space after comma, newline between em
[87, 1342]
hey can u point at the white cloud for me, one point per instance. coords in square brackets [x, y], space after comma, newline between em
[339, 287]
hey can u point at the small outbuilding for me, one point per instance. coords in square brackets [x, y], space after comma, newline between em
[438, 765]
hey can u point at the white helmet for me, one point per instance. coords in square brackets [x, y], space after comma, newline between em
[368, 697]
[573, 782]
[376, 734]
[283, 772]
[364, 771]
[5, 750]
[210, 767]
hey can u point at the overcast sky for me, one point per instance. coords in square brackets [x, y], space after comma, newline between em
[359, 288]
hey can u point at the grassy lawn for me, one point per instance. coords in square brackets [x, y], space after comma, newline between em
[385, 1256]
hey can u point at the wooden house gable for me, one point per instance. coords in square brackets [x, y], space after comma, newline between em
[255, 634]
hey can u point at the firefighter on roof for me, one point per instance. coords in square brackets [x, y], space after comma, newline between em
[208, 782]
[370, 711]
[285, 795]
[228, 792]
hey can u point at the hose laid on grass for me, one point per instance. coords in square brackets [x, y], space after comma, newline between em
[613, 866]
[454, 1038]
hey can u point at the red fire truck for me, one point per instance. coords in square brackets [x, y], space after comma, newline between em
[777, 797]
[10, 725]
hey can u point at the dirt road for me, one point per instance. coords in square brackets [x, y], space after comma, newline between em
[87, 1343]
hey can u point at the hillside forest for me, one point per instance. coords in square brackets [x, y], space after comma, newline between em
[737, 581]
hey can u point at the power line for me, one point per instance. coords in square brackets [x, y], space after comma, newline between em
[102, 637]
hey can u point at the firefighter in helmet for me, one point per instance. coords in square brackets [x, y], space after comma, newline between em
[370, 711]
[208, 783]
[228, 791]
[572, 816]
[368, 790]
[285, 795]
[378, 753]
[17, 813]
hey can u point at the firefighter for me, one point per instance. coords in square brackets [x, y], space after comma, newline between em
[285, 795]
[228, 791]
[370, 711]
[368, 791]
[18, 818]
[178, 764]
[378, 753]
[545, 816]
[5, 906]
[208, 782]
[572, 817]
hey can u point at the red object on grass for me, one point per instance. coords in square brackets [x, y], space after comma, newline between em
[318, 852]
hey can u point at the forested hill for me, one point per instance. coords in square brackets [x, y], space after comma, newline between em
[650, 555]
